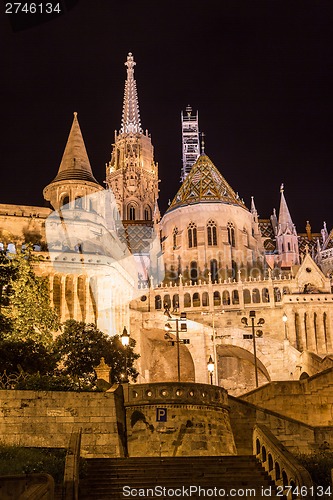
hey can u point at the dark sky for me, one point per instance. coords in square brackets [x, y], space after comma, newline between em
[259, 72]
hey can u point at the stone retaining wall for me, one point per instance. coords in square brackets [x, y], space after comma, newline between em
[46, 419]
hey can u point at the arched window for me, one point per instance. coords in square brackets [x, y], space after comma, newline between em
[247, 296]
[192, 235]
[174, 237]
[265, 295]
[226, 298]
[196, 300]
[217, 299]
[235, 297]
[166, 301]
[286, 290]
[194, 271]
[131, 212]
[231, 234]
[255, 296]
[211, 233]
[65, 201]
[246, 237]
[205, 299]
[175, 302]
[187, 300]
[158, 302]
[213, 270]
[147, 213]
[78, 205]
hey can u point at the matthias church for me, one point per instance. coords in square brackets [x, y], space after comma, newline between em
[255, 295]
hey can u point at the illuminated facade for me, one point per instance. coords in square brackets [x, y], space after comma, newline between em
[102, 251]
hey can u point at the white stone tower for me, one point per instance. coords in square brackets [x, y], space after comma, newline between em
[190, 141]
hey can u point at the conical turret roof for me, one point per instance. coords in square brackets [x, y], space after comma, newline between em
[205, 184]
[75, 164]
[285, 220]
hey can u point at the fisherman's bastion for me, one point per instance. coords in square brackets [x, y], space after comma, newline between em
[112, 259]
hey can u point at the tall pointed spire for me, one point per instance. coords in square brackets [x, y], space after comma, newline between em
[253, 209]
[285, 221]
[130, 122]
[286, 236]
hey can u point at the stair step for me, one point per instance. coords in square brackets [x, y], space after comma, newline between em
[106, 478]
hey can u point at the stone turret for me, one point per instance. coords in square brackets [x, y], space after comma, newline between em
[74, 180]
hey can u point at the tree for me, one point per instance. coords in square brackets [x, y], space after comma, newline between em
[28, 309]
[82, 346]
[29, 356]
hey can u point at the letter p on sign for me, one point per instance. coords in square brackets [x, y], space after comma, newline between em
[161, 414]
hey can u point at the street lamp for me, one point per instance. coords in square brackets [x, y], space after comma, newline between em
[125, 338]
[260, 322]
[285, 319]
[168, 329]
[210, 367]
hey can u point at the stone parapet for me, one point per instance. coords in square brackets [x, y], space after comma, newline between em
[176, 393]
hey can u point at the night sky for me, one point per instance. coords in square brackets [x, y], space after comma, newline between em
[260, 73]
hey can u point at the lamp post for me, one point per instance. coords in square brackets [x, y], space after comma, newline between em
[210, 367]
[124, 337]
[183, 328]
[285, 319]
[261, 321]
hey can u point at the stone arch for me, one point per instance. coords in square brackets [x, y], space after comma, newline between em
[217, 298]
[187, 300]
[205, 299]
[163, 358]
[196, 299]
[235, 366]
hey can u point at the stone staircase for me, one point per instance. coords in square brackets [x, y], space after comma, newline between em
[122, 478]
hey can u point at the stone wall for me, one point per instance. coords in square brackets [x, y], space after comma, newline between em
[308, 400]
[296, 436]
[46, 419]
[178, 419]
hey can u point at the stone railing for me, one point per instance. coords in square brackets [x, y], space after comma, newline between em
[71, 475]
[289, 475]
[175, 393]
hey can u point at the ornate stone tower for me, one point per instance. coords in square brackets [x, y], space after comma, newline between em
[132, 173]
[286, 236]
[74, 180]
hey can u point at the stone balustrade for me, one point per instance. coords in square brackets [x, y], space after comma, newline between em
[280, 464]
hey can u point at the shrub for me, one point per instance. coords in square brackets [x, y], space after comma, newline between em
[18, 460]
[319, 465]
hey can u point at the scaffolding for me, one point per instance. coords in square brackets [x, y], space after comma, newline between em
[190, 138]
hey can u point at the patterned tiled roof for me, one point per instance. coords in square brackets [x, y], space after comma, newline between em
[136, 236]
[305, 243]
[205, 183]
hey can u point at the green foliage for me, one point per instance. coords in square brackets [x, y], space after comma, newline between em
[25, 300]
[55, 382]
[319, 466]
[16, 460]
[82, 346]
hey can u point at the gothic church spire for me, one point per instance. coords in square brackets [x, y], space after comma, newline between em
[131, 117]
